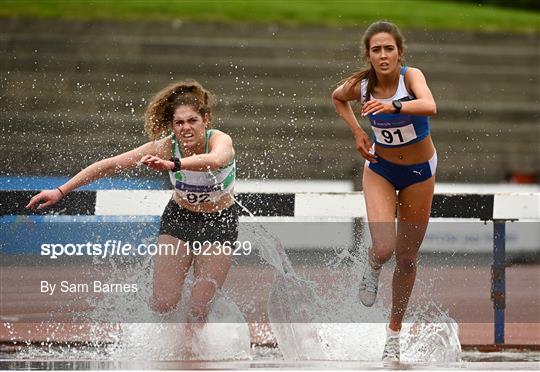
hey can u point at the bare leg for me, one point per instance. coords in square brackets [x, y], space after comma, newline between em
[210, 273]
[413, 216]
[380, 196]
[169, 274]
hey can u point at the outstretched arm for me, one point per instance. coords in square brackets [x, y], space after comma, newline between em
[95, 171]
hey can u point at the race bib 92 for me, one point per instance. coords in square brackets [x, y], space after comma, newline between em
[196, 198]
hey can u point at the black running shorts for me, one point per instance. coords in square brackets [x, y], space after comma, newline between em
[191, 226]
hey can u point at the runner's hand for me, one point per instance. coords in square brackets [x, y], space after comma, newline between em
[375, 107]
[364, 145]
[156, 163]
[45, 199]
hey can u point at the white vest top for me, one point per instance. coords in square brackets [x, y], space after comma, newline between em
[202, 186]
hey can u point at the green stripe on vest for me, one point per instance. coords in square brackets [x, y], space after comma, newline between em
[230, 178]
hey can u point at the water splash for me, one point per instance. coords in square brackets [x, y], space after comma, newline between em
[153, 336]
[308, 321]
[225, 336]
[308, 325]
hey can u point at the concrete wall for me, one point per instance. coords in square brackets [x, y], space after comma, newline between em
[74, 92]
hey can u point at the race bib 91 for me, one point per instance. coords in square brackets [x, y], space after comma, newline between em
[395, 136]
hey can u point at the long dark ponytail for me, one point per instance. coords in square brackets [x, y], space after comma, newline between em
[369, 72]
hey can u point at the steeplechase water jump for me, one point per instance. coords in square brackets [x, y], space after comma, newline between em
[186, 249]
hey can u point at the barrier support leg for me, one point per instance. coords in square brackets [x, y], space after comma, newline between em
[498, 285]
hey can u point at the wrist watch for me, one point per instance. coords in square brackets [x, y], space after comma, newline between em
[177, 164]
[397, 105]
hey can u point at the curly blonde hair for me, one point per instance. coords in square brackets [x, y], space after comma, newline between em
[159, 114]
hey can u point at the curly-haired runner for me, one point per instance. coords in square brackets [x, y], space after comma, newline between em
[399, 175]
[202, 169]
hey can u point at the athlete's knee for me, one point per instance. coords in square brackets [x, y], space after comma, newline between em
[381, 253]
[204, 287]
[383, 248]
[202, 297]
[407, 263]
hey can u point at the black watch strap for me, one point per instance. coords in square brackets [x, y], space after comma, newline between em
[177, 164]
[397, 105]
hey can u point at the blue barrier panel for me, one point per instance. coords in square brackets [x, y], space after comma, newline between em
[50, 182]
[27, 234]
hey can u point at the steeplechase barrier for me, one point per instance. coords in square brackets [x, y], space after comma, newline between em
[497, 208]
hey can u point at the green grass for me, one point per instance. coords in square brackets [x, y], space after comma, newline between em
[420, 14]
